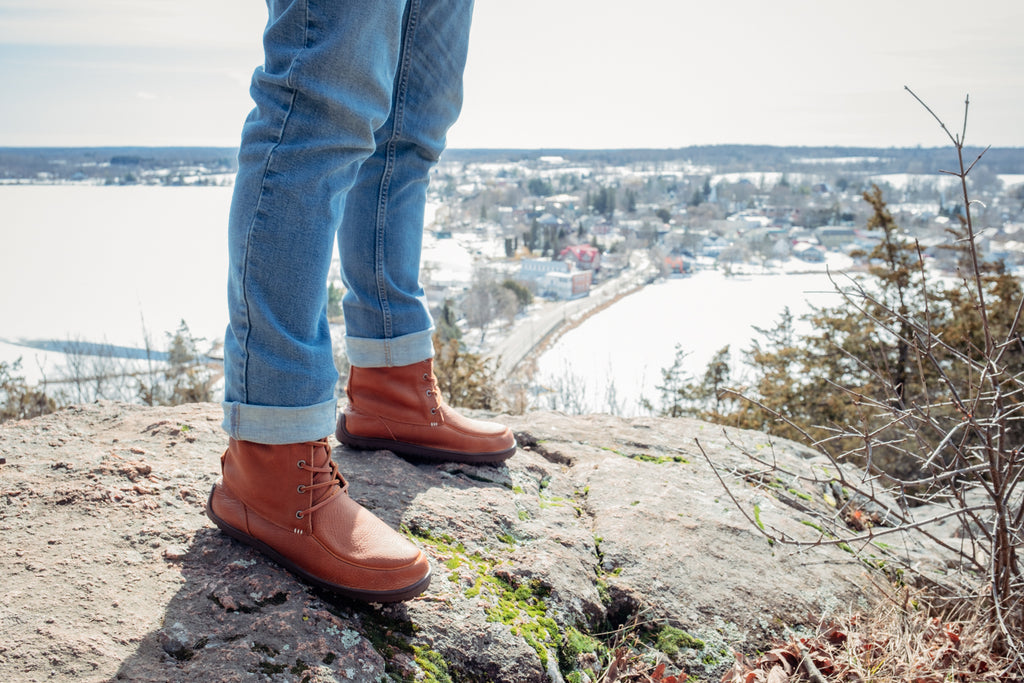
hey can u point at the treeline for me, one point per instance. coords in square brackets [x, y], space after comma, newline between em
[73, 163]
[735, 158]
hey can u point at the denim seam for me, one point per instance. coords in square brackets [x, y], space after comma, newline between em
[397, 116]
[256, 210]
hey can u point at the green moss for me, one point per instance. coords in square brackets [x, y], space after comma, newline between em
[329, 658]
[656, 459]
[388, 636]
[299, 667]
[816, 527]
[523, 515]
[551, 501]
[434, 667]
[671, 640]
[524, 609]
[517, 489]
[709, 659]
[576, 643]
[443, 542]
[474, 590]
[800, 494]
[757, 517]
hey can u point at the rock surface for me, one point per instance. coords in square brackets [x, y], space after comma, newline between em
[111, 570]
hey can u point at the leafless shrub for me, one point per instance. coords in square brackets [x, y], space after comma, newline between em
[961, 430]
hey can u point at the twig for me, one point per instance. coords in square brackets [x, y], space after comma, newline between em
[805, 659]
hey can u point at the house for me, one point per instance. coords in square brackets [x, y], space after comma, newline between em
[678, 264]
[808, 252]
[571, 285]
[582, 257]
[832, 237]
[713, 245]
[534, 269]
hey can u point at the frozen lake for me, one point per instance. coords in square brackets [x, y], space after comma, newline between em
[103, 264]
[612, 360]
[109, 264]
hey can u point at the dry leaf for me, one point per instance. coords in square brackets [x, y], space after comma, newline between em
[777, 675]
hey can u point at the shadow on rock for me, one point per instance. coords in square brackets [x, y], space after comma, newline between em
[238, 615]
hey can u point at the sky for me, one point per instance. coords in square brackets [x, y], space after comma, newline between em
[548, 73]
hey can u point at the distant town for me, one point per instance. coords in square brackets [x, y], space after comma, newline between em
[559, 222]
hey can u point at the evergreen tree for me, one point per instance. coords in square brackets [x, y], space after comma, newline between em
[675, 390]
[709, 395]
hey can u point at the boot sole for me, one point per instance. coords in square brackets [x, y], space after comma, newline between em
[417, 452]
[398, 595]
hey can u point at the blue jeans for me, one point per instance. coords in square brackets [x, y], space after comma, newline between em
[353, 104]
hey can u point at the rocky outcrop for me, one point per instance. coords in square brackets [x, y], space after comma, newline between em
[112, 571]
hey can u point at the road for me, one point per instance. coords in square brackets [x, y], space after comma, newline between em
[549, 317]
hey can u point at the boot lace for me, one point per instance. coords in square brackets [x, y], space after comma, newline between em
[324, 477]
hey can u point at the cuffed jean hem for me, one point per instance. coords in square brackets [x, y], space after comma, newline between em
[387, 353]
[279, 425]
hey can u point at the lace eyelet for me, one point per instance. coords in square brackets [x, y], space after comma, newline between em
[301, 489]
[429, 392]
[433, 411]
[301, 464]
[426, 377]
[298, 514]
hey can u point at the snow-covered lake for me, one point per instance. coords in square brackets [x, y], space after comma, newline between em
[111, 264]
[103, 264]
[612, 360]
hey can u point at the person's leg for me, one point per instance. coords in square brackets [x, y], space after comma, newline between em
[394, 402]
[325, 88]
[387, 322]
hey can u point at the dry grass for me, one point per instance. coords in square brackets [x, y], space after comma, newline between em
[902, 639]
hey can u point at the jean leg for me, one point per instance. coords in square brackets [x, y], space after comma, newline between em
[325, 87]
[386, 316]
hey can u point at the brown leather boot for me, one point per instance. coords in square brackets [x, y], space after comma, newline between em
[400, 409]
[291, 503]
